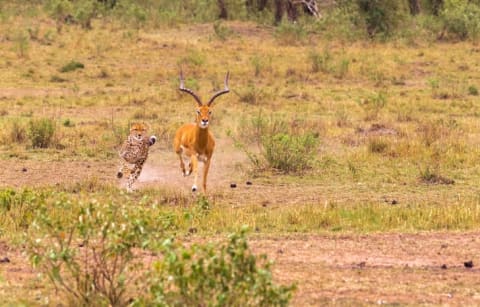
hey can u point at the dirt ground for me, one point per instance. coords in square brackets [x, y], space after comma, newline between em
[393, 269]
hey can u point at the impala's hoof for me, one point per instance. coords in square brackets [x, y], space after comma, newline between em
[194, 188]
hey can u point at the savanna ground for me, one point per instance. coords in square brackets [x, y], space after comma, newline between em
[386, 212]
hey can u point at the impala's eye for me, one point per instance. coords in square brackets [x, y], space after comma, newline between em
[198, 112]
[209, 112]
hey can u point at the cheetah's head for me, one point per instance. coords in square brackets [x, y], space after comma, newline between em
[138, 131]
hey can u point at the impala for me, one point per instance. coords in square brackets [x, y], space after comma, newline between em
[193, 142]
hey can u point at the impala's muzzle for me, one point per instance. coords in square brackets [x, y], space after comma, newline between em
[204, 123]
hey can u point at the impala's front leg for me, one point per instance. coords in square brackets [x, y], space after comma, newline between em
[194, 165]
[205, 173]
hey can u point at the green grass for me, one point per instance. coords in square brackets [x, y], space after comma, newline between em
[180, 214]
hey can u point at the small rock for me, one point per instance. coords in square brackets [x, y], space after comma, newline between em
[4, 260]
[394, 202]
[280, 251]
[468, 264]
[443, 267]
[24, 169]
[192, 230]
[248, 183]
[233, 185]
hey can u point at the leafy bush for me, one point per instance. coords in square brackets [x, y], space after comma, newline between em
[283, 146]
[320, 61]
[373, 104]
[250, 94]
[473, 90]
[289, 153]
[461, 18]
[40, 132]
[222, 32]
[211, 275]
[17, 209]
[71, 66]
[382, 17]
[377, 145]
[90, 259]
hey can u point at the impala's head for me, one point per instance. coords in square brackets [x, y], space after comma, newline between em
[138, 130]
[203, 116]
[203, 110]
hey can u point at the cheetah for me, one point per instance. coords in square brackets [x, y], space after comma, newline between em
[134, 151]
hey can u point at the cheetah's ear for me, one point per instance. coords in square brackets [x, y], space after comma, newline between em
[147, 126]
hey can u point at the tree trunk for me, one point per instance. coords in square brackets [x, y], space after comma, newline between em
[223, 9]
[292, 12]
[414, 7]
[437, 6]
[249, 6]
[262, 4]
[278, 11]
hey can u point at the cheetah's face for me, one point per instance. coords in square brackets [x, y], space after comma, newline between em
[138, 131]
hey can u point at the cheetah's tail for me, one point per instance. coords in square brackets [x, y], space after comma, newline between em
[152, 140]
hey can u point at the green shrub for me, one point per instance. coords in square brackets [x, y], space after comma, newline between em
[383, 17]
[40, 132]
[342, 21]
[473, 90]
[85, 11]
[289, 147]
[68, 123]
[320, 61]
[214, 275]
[71, 66]
[373, 104]
[17, 209]
[250, 94]
[222, 32]
[461, 18]
[290, 153]
[377, 145]
[87, 250]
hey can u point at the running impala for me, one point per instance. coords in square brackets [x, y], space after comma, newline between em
[193, 142]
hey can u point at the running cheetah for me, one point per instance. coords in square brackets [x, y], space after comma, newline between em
[134, 152]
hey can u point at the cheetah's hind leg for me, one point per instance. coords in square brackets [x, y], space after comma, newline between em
[134, 174]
